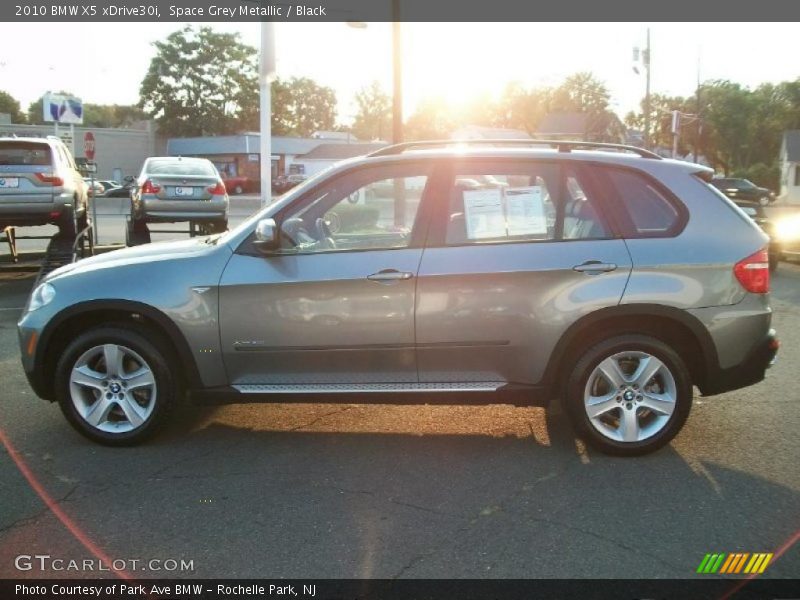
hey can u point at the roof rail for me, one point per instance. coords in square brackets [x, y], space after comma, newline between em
[561, 145]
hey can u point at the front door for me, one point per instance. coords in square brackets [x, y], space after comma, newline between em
[334, 306]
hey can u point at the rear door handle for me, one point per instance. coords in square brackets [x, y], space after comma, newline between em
[388, 275]
[594, 267]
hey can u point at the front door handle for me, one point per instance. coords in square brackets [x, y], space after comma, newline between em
[594, 267]
[388, 275]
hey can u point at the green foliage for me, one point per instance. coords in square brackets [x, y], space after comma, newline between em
[374, 118]
[300, 106]
[8, 104]
[202, 82]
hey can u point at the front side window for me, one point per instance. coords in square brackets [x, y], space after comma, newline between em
[372, 209]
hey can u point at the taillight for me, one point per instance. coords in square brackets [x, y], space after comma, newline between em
[49, 178]
[150, 188]
[217, 189]
[753, 272]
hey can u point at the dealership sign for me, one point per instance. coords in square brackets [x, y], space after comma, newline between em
[62, 109]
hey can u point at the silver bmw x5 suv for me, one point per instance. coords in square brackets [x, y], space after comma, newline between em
[605, 278]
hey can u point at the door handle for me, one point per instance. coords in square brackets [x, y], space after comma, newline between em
[390, 275]
[594, 267]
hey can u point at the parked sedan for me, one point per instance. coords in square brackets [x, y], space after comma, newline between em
[237, 184]
[743, 189]
[173, 189]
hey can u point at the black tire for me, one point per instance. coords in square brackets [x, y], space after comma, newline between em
[217, 226]
[764, 201]
[68, 222]
[585, 366]
[166, 385]
[238, 190]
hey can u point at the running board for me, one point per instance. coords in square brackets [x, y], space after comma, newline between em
[360, 388]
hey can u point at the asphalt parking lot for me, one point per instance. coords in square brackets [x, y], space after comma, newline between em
[356, 491]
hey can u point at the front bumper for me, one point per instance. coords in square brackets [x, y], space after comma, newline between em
[750, 371]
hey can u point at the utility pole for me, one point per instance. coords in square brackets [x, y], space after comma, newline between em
[646, 61]
[265, 76]
[397, 73]
[698, 111]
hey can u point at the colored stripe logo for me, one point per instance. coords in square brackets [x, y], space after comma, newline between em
[734, 563]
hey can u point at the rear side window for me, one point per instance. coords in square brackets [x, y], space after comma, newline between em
[25, 153]
[651, 213]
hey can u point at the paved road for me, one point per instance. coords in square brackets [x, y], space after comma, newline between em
[389, 491]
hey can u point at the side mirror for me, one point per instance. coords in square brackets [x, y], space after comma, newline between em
[267, 235]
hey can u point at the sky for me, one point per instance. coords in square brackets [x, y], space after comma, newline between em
[104, 63]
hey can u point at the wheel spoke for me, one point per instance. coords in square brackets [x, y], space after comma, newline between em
[609, 368]
[87, 377]
[113, 357]
[141, 378]
[133, 412]
[648, 367]
[629, 426]
[663, 404]
[600, 405]
[98, 412]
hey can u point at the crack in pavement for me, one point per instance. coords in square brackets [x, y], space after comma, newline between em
[320, 418]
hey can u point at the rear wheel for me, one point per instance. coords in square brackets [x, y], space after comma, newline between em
[764, 200]
[238, 189]
[114, 386]
[629, 395]
[216, 226]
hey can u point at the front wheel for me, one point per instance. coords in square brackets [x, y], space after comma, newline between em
[114, 386]
[764, 200]
[629, 395]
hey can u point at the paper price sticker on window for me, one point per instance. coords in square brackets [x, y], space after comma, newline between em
[484, 214]
[525, 211]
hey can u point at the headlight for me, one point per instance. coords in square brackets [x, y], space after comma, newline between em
[41, 296]
[787, 229]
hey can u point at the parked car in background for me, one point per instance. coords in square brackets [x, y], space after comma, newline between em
[116, 192]
[93, 187]
[743, 189]
[40, 184]
[109, 183]
[171, 189]
[238, 184]
[617, 307]
[756, 212]
[283, 183]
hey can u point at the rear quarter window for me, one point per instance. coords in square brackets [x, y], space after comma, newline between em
[650, 210]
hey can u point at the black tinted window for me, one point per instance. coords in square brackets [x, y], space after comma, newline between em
[650, 212]
[180, 167]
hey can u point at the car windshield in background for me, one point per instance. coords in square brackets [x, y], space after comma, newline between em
[24, 153]
[179, 167]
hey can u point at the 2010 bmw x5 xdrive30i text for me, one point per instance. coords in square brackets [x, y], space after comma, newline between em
[612, 281]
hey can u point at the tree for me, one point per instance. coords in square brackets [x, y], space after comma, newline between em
[201, 82]
[8, 104]
[300, 106]
[581, 92]
[374, 118]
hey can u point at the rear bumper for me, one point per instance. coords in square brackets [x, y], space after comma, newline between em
[750, 371]
[183, 210]
[38, 213]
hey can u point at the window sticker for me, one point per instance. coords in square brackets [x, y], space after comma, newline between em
[484, 214]
[525, 211]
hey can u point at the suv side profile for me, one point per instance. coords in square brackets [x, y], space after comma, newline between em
[509, 273]
[40, 185]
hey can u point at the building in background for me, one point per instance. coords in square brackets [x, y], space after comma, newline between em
[325, 155]
[789, 162]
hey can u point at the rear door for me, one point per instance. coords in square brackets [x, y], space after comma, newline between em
[26, 172]
[520, 250]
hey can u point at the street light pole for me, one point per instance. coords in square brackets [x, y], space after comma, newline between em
[397, 74]
[266, 75]
[646, 60]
